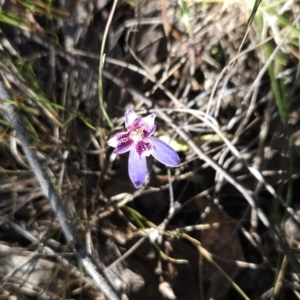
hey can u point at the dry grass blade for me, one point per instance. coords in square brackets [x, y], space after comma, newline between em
[209, 258]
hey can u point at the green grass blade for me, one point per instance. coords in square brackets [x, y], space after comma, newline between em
[253, 14]
[278, 86]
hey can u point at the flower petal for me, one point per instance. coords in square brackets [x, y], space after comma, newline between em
[145, 124]
[150, 128]
[164, 153]
[130, 116]
[122, 142]
[113, 142]
[149, 131]
[144, 147]
[149, 120]
[137, 168]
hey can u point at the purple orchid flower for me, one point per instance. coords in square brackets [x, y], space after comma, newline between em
[139, 141]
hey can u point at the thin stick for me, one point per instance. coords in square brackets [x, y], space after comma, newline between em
[207, 255]
[88, 262]
[101, 63]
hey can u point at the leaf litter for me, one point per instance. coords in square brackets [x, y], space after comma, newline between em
[188, 232]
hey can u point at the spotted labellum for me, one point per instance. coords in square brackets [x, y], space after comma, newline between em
[140, 143]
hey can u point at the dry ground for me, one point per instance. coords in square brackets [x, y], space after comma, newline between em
[225, 92]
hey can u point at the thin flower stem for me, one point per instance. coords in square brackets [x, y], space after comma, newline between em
[101, 64]
[173, 205]
[92, 268]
